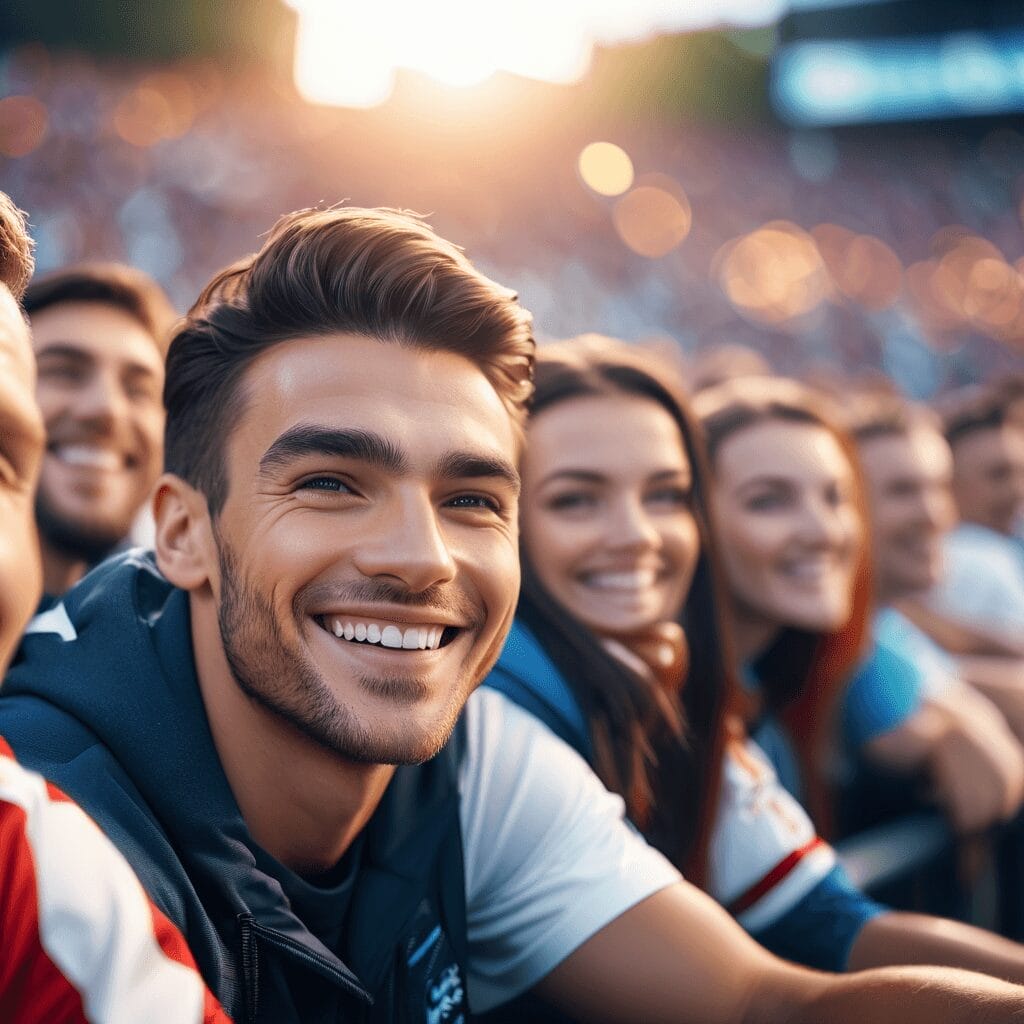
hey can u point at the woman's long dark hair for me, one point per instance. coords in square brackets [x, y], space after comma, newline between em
[802, 673]
[660, 749]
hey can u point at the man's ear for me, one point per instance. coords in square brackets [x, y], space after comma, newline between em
[185, 549]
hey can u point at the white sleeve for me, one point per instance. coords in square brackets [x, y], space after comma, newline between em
[765, 854]
[549, 858]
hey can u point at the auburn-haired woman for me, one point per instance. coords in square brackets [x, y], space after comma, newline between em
[829, 701]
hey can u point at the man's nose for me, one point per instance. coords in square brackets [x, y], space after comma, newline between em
[408, 545]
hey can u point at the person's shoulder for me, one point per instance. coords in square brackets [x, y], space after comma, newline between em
[526, 675]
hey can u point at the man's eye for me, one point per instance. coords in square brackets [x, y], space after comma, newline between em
[475, 501]
[325, 483]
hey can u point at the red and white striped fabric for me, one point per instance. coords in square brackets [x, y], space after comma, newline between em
[765, 853]
[79, 939]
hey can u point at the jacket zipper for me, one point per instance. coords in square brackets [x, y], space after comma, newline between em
[250, 967]
[251, 929]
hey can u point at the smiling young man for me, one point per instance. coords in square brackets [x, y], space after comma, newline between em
[294, 784]
[99, 331]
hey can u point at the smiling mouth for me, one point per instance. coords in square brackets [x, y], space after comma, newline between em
[391, 635]
[93, 457]
[623, 582]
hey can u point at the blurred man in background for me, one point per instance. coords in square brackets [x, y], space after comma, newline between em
[99, 334]
[962, 733]
[978, 601]
[80, 940]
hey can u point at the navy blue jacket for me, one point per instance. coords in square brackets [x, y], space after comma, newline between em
[106, 704]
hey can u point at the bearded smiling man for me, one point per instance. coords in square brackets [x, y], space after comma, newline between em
[266, 715]
[99, 331]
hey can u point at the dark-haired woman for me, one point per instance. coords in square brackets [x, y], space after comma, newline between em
[619, 567]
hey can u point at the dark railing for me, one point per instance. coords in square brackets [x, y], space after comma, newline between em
[915, 862]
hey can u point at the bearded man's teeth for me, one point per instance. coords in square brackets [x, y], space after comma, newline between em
[391, 636]
[412, 638]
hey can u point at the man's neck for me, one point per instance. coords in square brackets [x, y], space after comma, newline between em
[301, 802]
[61, 571]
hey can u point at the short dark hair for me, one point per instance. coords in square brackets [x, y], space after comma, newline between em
[378, 273]
[112, 284]
[16, 262]
[881, 414]
[985, 408]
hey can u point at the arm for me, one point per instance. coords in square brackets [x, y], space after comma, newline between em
[78, 931]
[678, 957]
[898, 938]
[961, 637]
[968, 753]
[1002, 681]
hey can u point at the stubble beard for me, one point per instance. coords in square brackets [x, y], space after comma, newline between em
[278, 676]
[89, 544]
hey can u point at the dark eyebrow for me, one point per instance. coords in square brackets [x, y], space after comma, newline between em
[308, 439]
[470, 465]
[582, 475]
[64, 350]
[69, 350]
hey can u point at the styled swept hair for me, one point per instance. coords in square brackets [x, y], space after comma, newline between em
[380, 273]
[16, 260]
[660, 750]
[111, 284]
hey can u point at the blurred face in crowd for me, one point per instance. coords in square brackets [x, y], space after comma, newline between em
[100, 379]
[788, 524]
[607, 523]
[21, 450]
[908, 480]
[988, 476]
[366, 565]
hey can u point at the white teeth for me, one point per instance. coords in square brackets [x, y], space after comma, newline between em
[412, 638]
[391, 636]
[88, 456]
[639, 579]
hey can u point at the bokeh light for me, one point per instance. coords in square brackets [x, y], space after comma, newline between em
[652, 221]
[23, 123]
[862, 268]
[773, 275]
[968, 285]
[606, 168]
[161, 106]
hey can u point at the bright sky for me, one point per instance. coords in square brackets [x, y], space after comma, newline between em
[347, 53]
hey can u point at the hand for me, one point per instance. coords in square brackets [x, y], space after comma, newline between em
[976, 763]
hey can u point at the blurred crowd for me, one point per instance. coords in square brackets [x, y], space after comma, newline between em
[896, 252]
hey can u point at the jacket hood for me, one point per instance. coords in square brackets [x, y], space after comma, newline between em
[116, 656]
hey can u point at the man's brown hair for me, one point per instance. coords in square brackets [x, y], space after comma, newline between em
[16, 262]
[112, 284]
[378, 273]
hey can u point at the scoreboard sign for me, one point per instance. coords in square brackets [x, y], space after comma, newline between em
[885, 62]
